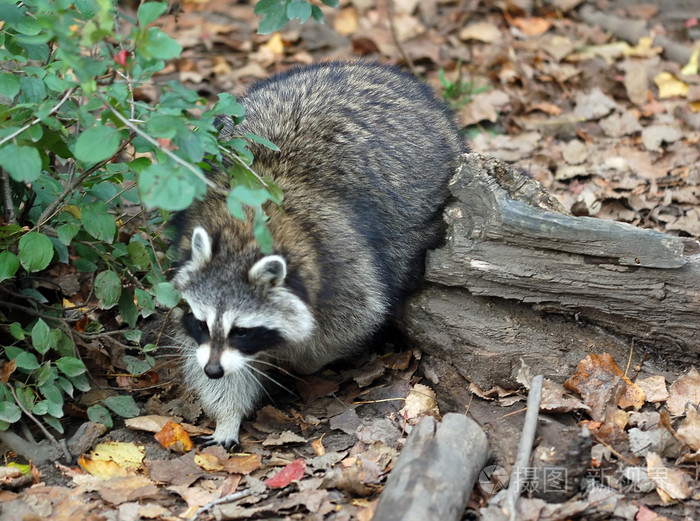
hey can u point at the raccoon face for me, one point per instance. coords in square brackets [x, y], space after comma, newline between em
[237, 314]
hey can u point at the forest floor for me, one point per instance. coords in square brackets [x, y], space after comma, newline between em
[609, 122]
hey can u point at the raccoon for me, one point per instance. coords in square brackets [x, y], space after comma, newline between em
[366, 152]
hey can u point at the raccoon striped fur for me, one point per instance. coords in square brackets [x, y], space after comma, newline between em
[366, 152]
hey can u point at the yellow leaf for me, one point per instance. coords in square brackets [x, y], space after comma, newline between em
[113, 458]
[73, 210]
[208, 462]
[691, 68]
[275, 44]
[670, 86]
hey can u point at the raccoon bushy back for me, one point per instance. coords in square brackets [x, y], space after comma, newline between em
[366, 154]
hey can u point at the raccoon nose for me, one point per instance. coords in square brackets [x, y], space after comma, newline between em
[214, 370]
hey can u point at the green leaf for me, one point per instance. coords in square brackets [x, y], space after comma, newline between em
[27, 361]
[41, 407]
[41, 336]
[145, 302]
[65, 385]
[265, 142]
[136, 366]
[139, 254]
[81, 383]
[98, 222]
[86, 8]
[70, 366]
[160, 46]
[22, 163]
[262, 233]
[169, 187]
[96, 144]
[149, 11]
[166, 294]
[127, 308]
[274, 15]
[229, 106]
[9, 412]
[35, 251]
[124, 406]
[299, 9]
[100, 414]
[134, 335]
[317, 14]
[17, 331]
[108, 288]
[46, 374]
[66, 232]
[53, 422]
[9, 264]
[164, 126]
[9, 85]
[330, 3]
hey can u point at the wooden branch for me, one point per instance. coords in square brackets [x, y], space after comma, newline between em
[516, 279]
[436, 471]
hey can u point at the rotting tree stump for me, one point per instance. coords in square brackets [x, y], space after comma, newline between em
[519, 278]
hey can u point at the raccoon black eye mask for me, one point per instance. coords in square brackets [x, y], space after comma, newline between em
[366, 152]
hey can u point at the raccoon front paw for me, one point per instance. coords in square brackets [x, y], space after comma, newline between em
[226, 443]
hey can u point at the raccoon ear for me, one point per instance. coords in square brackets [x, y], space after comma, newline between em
[270, 270]
[201, 246]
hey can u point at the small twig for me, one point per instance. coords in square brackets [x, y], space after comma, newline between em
[60, 445]
[9, 214]
[629, 358]
[245, 165]
[153, 142]
[522, 458]
[51, 208]
[226, 499]
[395, 36]
[37, 120]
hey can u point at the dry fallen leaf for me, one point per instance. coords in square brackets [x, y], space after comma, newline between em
[173, 436]
[318, 447]
[532, 26]
[419, 402]
[596, 377]
[113, 459]
[669, 86]
[243, 463]
[671, 484]
[292, 472]
[654, 388]
[481, 31]
[689, 430]
[685, 389]
[345, 21]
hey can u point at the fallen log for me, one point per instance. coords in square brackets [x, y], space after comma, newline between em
[520, 278]
[436, 471]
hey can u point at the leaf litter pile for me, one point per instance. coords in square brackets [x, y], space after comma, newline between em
[610, 126]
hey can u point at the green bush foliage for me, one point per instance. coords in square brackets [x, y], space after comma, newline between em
[89, 175]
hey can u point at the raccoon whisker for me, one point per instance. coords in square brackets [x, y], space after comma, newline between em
[248, 373]
[275, 366]
[265, 375]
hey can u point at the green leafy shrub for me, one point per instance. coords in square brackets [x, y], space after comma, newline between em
[276, 13]
[89, 175]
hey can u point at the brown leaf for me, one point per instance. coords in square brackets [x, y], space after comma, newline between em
[243, 463]
[6, 371]
[173, 436]
[596, 379]
[132, 488]
[481, 31]
[671, 484]
[179, 471]
[689, 430]
[283, 438]
[318, 447]
[345, 21]
[654, 388]
[532, 26]
[684, 390]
